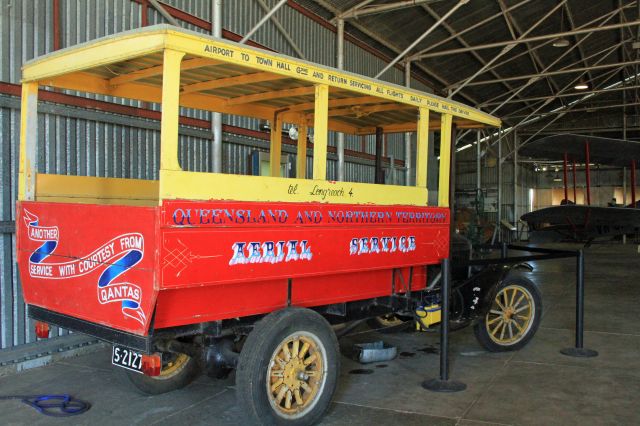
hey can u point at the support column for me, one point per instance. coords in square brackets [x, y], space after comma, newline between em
[515, 180]
[407, 135]
[587, 172]
[445, 160]
[340, 66]
[275, 148]
[170, 110]
[478, 164]
[422, 148]
[216, 117]
[28, 166]
[575, 195]
[301, 159]
[320, 128]
[499, 198]
[633, 183]
[379, 171]
[564, 172]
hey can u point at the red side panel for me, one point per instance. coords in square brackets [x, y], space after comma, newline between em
[91, 262]
[225, 259]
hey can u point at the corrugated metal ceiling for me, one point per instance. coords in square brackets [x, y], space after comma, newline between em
[400, 27]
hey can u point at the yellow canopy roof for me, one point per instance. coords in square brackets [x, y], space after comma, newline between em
[223, 76]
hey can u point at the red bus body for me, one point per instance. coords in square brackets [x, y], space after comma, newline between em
[132, 268]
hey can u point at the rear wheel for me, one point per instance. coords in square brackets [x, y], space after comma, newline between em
[178, 370]
[513, 318]
[288, 369]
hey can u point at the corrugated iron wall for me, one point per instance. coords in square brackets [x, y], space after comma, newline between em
[78, 141]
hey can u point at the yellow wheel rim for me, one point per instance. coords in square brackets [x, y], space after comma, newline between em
[511, 315]
[173, 366]
[296, 375]
[389, 320]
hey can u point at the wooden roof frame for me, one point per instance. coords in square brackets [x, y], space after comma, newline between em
[70, 69]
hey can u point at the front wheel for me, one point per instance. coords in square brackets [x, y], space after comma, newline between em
[288, 369]
[513, 318]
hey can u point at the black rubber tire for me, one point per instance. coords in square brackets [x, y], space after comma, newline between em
[253, 365]
[480, 328]
[148, 385]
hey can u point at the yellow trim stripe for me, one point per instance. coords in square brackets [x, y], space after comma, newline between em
[197, 186]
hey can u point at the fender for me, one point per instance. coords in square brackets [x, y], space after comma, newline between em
[479, 291]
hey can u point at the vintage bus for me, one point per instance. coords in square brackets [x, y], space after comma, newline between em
[201, 270]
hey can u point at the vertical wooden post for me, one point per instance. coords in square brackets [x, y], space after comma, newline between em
[275, 148]
[320, 132]
[422, 148]
[301, 159]
[170, 109]
[445, 160]
[28, 166]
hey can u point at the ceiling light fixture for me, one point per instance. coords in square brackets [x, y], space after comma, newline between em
[561, 42]
[581, 85]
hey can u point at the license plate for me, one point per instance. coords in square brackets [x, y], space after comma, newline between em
[127, 358]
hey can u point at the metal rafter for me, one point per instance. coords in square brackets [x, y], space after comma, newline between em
[457, 6]
[601, 19]
[466, 30]
[553, 73]
[564, 95]
[517, 32]
[282, 30]
[567, 110]
[507, 48]
[363, 9]
[533, 80]
[572, 26]
[462, 41]
[393, 48]
[527, 39]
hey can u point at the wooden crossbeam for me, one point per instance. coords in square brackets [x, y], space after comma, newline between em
[359, 111]
[157, 70]
[276, 94]
[238, 80]
[86, 82]
[339, 102]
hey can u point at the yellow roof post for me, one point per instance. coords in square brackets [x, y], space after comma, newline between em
[28, 141]
[170, 110]
[301, 160]
[275, 150]
[445, 159]
[422, 148]
[320, 132]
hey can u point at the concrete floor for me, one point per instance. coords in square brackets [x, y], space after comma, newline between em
[536, 386]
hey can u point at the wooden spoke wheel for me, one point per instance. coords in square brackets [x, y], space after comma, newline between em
[288, 369]
[513, 317]
[296, 374]
[177, 371]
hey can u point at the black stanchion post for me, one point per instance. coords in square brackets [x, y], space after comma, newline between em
[579, 350]
[503, 250]
[443, 384]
